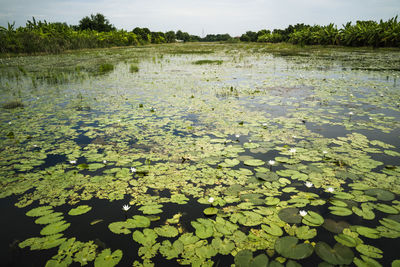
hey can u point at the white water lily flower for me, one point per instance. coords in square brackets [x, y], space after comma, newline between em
[237, 135]
[133, 169]
[271, 162]
[9, 122]
[303, 213]
[104, 161]
[126, 207]
[292, 150]
[325, 152]
[330, 189]
[264, 124]
[211, 200]
[309, 184]
[72, 161]
[351, 113]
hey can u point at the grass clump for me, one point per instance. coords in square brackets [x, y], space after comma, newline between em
[208, 61]
[133, 69]
[13, 104]
[106, 67]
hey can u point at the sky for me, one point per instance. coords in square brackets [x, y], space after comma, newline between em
[200, 17]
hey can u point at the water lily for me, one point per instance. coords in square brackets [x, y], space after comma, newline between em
[271, 162]
[325, 152]
[303, 213]
[104, 161]
[292, 150]
[330, 189]
[264, 124]
[237, 135]
[133, 169]
[211, 200]
[351, 113]
[309, 184]
[72, 161]
[126, 207]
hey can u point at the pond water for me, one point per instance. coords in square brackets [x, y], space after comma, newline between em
[282, 158]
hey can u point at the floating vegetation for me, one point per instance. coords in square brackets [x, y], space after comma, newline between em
[106, 67]
[256, 162]
[13, 104]
[208, 61]
[133, 68]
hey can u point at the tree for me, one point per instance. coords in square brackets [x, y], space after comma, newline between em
[170, 37]
[96, 22]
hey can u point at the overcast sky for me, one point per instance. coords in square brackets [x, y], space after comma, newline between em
[201, 16]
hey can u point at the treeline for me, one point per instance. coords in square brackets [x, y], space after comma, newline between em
[96, 31]
[92, 32]
[362, 33]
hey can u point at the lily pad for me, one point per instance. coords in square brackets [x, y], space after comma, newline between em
[244, 258]
[204, 228]
[304, 232]
[50, 218]
[272, 229]
[223, 247]
[290, 215]
[55, 228]
[108, 259]
[254, 162]
[340, 211]
[166, 231]
[345, 240]
[338, 255]
[313, 219]
[210, 211]
[146, 238]
[151, 209]
[40, 211]
[79, 210]
[335, 227]
[289, 248]
[368, 232]
[369, 251]
[170, 251]
[386, 208]
[380, 194]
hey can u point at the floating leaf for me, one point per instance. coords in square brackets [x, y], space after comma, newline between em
[368, 232]
[254, 162]
[229, 163]
[151, 209]
[244, 258]
[338, 255]
[171, 251]
[369, 251]
[210, 211]
[223, 247]
[386, 208]
[108, 259]
[380, 194]
[289, 248]
[138, 221]
[345, 240]
[272, 229]
[304, 232]
[335, 227]
[290, 215]
[47, 242]
[79, 210]
[166, 231]
[40, 211]
[50, 218]
[119, 228]
[55, 228]
[340, 211]
[204, 228]
[313, 219]
[146, 238]
[391, 224]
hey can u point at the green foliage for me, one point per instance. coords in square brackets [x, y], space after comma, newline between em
[106, 67]
[207, 61]
[95, 22]
[133, 68]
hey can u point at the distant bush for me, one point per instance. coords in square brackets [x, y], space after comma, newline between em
[13, 104]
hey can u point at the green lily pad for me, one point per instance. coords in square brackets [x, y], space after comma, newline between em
[380, 194]
[369, 251]
[365, 212]
[368, 232]
[391, 224]
[386, 208]
[138, 221]
[254, 162]
[267, 176]
[289, 248]
[108, 259]
[345, 240]
[40, 211]
[272, 229]
[304, 232]
[46, 242]
[119, 228]
[229, 163]
[290, 215]
[166, 231]
[223, 247]
[210, 211]
[55, 228]
[272, 201]
[79, 210]
[313, 219]
[338, 255]
[335, 227]
[170, 251]
[244, 258]
[50, 218]
[146, 238]
[204, 228]
[151, 209]
[340, 211]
